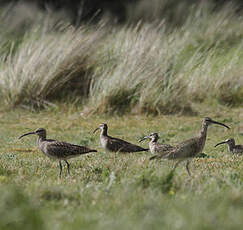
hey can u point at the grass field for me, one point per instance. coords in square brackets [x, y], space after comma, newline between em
[107, 191]
[163, 71]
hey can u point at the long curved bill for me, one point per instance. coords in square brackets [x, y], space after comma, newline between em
[218, 123]
[144, 138]
[220, 143]
[26, 134]
[96, 130]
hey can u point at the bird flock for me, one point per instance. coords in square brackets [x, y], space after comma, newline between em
[184, 151]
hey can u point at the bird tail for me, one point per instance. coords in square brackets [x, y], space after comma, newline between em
[145, 150]
[153, 157]
[140, 150]
[93, 150]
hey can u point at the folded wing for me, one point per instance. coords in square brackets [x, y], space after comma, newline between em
[66, 150]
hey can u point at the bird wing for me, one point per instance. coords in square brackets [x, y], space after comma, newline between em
[186, 149]
[163, 148]
[238, 149]
[120, 145]
[65, 150]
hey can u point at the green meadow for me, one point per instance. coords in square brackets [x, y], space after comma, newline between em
[139, 77]
[125, 191]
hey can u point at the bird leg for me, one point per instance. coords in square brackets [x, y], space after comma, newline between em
[177, 163]
[60, 165]
[187, 167]
[68, 167]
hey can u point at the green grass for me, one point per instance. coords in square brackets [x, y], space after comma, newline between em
[107, 190]
[73, 79]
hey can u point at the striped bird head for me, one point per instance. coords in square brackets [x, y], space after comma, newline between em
[153, 137]
[103, 127]
[208, 121]
[41, 132]
[230, 142]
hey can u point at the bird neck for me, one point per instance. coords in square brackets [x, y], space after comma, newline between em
[203, 132]
[154, 140]
[231, 147]
[41, 138]
[103, 132]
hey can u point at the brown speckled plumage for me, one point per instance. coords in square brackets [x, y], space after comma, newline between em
[113, 144]
[154, 146]
[233, 148]
[58, 149]
[188, 149]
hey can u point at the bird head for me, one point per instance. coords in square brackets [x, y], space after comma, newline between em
[208, 121]
[152, 136]
[229, 141]
[41, 132]
[102, 127]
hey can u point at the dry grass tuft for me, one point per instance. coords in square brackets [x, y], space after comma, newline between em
[47, 63]
[149, 68]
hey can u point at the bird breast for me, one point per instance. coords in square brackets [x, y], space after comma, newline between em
[104, 142]
[152, 147]
[43, 147]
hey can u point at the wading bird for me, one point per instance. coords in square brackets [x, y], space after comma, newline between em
[233, 148]
[189, 149]
[113, 144]
[57, 149]
[154, 146]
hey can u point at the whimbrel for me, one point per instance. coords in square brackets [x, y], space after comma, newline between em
[57, 149]
[113, 144]
[233, 148]
[154, 146]
[188, 149]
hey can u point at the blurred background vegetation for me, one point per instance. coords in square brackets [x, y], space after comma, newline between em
[78, 11]
[149, 57]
